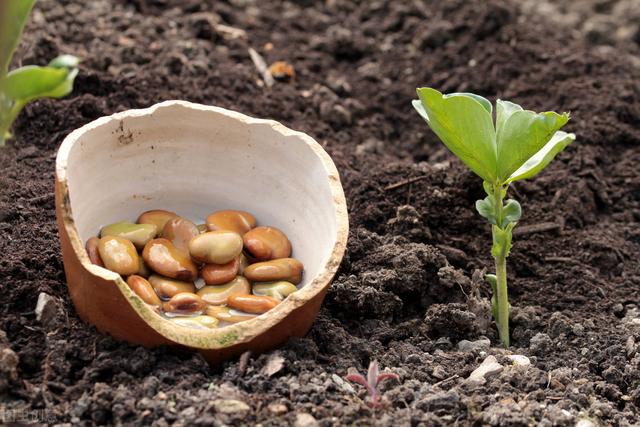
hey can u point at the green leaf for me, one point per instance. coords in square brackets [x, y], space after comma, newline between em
[486, 210]
[13, 16]
[64, 61]
[483, 101]
[465, 126]
[522, 135]
[32, 82]
[417, 104]
[504, 110]
[542, 158]
[511, 212]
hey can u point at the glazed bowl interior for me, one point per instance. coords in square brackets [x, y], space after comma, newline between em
[194, 160]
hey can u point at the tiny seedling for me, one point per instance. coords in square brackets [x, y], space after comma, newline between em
[519, 145]
[371, 382]
[28, 83]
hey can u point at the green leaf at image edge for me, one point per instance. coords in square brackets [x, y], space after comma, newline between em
[542, 158]
[32, 82]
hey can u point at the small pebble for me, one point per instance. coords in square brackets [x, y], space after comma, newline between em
[488, 368]
[470, 346]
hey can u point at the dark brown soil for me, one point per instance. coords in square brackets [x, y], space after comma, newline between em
[408, 289]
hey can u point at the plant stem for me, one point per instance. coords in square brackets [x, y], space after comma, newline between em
[500, 256]
[7, 121]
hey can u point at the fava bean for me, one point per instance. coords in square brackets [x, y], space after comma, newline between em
[218, 295]
[217, 274]
[157, 217]
[289, 269]
[252, 303]
[167, 288]
[165, 259]
[197, 322]
[278, 290]
[118, 255]
[266, 243]
[144, 290]
[180, 231]
[138, 234]
[216, 247]
[185, 303]
[237, 221]
[92, 251]
[228, 315]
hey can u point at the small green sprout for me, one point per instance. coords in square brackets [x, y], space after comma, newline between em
[26, 84]
[518, 146]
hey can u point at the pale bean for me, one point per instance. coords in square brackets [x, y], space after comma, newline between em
[218, 295]
[217, 274]
[216, 247]
[138, 234]
[92, 251]
[144, 290]
[197, 322]
[266, 243]
[165, 259]
[252, 303]
[118, 255]
[157, 217]
[289, 269]
[167, 288]
[226, 314]
[278, 290]
[184, 303]
[237, 221]
[179, 231]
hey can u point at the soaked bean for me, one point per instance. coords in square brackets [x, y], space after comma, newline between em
[218, 295]
[216, 247]
[143, 269]
[180, 231]
[278, 290]
[165, 259]
[92, 251]
[197, 322]
[157, 217]
[118, 255]
[244, 263]
[144, 290]
[185, 303]
[237, 221]
[217, 274]
[252, 303]
[167, 288]
[265, 243]
[202, 228]
[138, 234]
[228, 315]
[289, 269]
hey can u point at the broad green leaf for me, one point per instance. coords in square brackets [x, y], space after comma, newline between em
[486, 210]
[483, 101]
[504, 110]
[13, 16]
[542, 158]
[31, 82]
[522, 135]
[64, 61]
[417, 104]
[511, 212]
[465, 126]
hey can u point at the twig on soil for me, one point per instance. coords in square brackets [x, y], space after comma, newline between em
[261, 65]
[446, 380]
[405, 182]
[537, 228]
[242, 364]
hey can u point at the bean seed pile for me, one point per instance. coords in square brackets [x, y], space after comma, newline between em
[204, 276]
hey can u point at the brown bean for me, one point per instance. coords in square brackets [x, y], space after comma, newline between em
[237, 221]
[228, 315]
[289, 269]
[252, 303]
[143, 269]
[217, 274]
[265, 243]
[157, 217]
[180, 231]
[165, 259]
[197, 322]
[92, 251]
[144, 290]
[118, 255]
[185, 303]
[216, 247]
[167, 288]
[279, 289]
[218, 295]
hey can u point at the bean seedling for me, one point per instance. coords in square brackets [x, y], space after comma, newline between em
[371, 382]
[28, 83]
[518, 146]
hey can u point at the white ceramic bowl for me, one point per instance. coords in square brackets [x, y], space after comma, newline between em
[195, 159]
